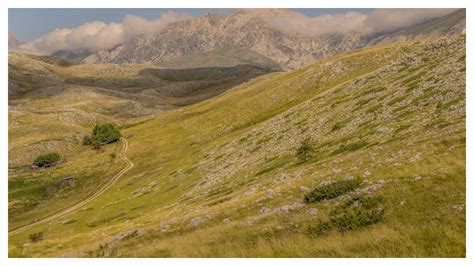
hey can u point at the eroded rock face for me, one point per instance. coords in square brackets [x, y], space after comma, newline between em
[252, 29]
[248, 29]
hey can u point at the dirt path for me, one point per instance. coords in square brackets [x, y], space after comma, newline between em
[91, 198]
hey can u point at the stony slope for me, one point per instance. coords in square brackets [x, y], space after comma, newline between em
[220, 178]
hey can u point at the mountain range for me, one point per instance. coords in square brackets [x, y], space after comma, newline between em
[251, 29]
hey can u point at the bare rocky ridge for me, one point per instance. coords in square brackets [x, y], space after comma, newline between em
[250, 29]
[247, 29]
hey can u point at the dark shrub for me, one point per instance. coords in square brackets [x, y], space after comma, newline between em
[46, 159]
[331, 191]
[356, 218]
[355, 213]
[35, 237]
[337, 126]
[305, 151]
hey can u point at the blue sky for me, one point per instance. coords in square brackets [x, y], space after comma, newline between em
[29, 24]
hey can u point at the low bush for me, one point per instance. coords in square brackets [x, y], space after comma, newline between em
[337, 126]
[332, 190]
[35, 237]
[356, 218]
[47, 159]
[355, 213]
[305, 151]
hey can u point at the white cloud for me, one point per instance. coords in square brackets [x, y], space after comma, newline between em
[379, 20]
[98, 35]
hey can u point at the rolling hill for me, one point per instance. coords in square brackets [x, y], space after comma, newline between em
[187, 80]
[224, 177]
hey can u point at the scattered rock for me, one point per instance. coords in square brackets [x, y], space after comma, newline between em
[197, 221]
[336, 171]
[265, 210]
[415, 158]
[165, 228]
[417, 177]
[312, 211]
[251, 191]
[356, 204]
[304, 189]
[325, 183]
[271, 193]
[226, 221]
[347, 178]
[68, 181]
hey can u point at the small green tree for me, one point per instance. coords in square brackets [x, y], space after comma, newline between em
[305, 151]
[101, 135]
[46, 159]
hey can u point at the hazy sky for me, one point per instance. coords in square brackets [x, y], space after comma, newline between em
[29, 24]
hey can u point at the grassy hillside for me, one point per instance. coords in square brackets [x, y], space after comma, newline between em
[385, 127]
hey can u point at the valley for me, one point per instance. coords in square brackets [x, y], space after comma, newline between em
[214, 139]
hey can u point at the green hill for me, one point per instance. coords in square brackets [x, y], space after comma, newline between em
[221, 178]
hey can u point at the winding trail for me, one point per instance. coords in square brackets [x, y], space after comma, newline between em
[89, 199]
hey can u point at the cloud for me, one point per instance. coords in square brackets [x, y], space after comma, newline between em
[379, 20]
[98, 35]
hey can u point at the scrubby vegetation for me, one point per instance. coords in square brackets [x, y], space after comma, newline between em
[354, 213]
[47, 159]
[101, 135]
[305, 151]
[199, 181]
[36, 237]
[331, 190]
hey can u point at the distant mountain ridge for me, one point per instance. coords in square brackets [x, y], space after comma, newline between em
[451, 24]
[249, 29]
